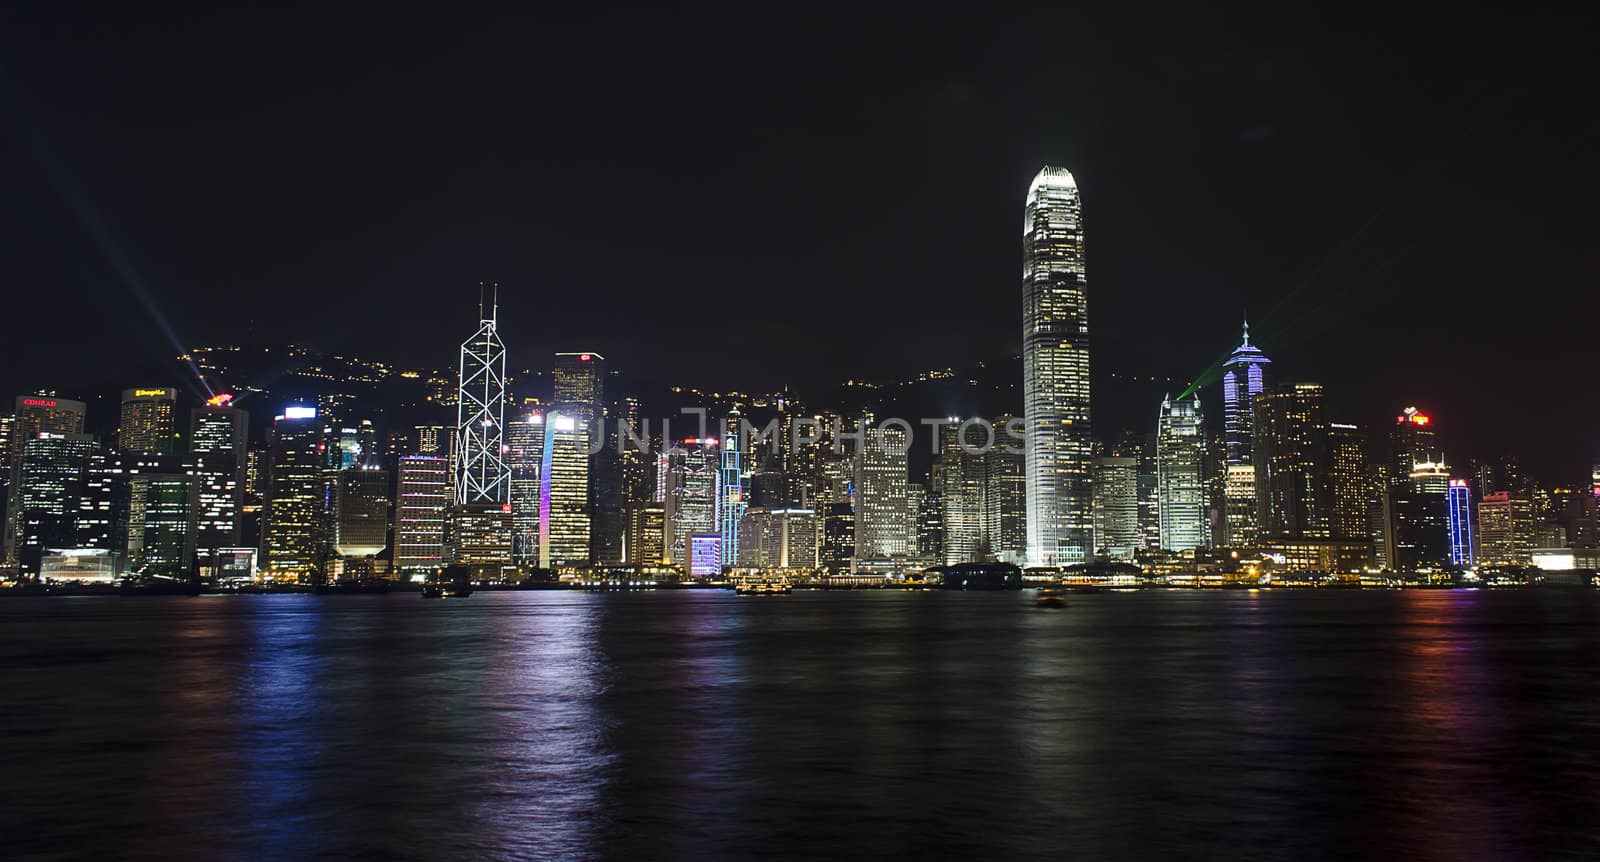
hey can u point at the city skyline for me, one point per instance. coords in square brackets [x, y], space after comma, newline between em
[612, 432]
[1226, 195]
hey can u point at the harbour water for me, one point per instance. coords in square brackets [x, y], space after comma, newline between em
[700, 724]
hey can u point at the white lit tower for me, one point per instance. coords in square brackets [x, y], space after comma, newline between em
[481, 474]
[1055, 373]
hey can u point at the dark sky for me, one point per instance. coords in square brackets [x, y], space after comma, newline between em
[774, 193]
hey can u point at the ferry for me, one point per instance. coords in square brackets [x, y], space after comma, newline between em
[764, 588]
[453, 582]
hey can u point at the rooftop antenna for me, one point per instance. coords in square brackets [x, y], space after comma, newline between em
[1247, 330]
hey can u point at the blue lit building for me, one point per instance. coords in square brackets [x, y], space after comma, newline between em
[730, 489]
[1459, 500]
[1244, 376]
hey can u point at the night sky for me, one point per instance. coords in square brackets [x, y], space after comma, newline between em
[767, 194]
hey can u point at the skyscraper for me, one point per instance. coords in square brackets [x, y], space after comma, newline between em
[578, 391]
[1116, 507]
[1005, 502]
[1180, 485]
[480, 415]
[690, 495]
[422, 498]
[218, 442]
[44, 498]
[961, 497]
[1419, 518]
[167, 540]
[1244, 376]
[146, 423]
[838, 540]
[361, 522]
[1460, 517]
[730, 490]
[34, 414]
[1239, 506]
[1055, 372]
[578, 387]
[1290, 451]
[1346, 477]
[646, 543]
[524, 457]
[1506, 525]
[564, 491]
[885, 526]
[292, 536]
[1411, 440]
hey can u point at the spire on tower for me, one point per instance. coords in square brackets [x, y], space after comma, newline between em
[1247, 330]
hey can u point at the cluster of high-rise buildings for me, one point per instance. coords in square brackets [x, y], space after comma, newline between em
[558, 473]
[1287, 486]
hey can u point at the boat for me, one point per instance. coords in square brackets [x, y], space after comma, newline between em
[764, 588]
[1049, 597]
[453, 582]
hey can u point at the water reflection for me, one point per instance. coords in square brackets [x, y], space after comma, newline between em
[278, 715]
[694, 725]
[539, 707]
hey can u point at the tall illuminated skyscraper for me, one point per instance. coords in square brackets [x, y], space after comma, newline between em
[1347, 484]
[218, 441]
[1180, 485]
[145, 428]
[1459, 508]
[1244, 376]
[524, 457]
[293, 535]
[579, 386]
[480, 415]
[730, 491]
[564, 491]
[146, 421]
[1055, 372]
